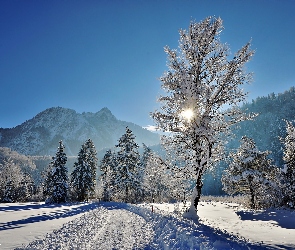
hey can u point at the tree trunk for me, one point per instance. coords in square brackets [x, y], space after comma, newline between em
[198, 188]
[196, 195]
[252, 192]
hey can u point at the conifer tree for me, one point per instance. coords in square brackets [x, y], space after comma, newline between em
[56, 181]
[289, 171]
[83, 177]
[127, 174]
[200, 82]
[107, 167]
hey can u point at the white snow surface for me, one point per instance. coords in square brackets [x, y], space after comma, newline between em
[125, 226]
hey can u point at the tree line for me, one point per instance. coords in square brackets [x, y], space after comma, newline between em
[122, 175]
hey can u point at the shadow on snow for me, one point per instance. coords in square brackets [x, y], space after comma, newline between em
[66, 210]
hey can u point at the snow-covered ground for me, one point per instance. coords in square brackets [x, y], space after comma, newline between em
[123, 226]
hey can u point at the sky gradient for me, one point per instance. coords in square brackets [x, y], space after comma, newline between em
[86, 55]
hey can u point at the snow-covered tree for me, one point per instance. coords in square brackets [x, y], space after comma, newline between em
[26, 187]
[201, 83]
[289, 170]
[11, 176]
[251, 173]
[56, 180]
[155, 177]
[9, 193]
[127, 174]
[92, 159]
[83, 177]
[107, 178]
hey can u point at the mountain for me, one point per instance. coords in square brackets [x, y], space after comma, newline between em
[41, 134]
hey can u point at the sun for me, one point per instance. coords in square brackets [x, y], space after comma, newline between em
[187, 114]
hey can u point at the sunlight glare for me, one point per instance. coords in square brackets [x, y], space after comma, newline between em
[187, 114]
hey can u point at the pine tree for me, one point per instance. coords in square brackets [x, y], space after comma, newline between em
[92, 160]
[83, 177]
[200, 82]
[56, 181]
[107, 177]
[289, 171]
[127, 174]
[250, 173]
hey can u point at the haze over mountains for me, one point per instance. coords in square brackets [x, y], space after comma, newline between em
[41, 134]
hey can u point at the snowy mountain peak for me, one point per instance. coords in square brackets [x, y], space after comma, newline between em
[41, 134]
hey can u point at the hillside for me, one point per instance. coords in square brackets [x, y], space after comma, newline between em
[269, 126]
[40, 135]
[266, 130]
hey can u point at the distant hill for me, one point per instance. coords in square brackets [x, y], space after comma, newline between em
[41, 134]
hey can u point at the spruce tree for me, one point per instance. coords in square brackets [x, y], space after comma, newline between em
[127, 174]
[107, 167]
[83, 177]
[56, 181]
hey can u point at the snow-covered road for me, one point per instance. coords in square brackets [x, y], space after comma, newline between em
[124, 226]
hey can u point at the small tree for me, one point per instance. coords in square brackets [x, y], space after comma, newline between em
[251, 173]
[83, 177]
[56, 180]
[289, 171]
[200, 82]
[107, 167]
[127, 174]
[155, 178]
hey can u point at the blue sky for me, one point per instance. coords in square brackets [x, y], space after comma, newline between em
[86, 55]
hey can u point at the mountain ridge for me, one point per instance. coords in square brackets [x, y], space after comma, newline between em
[40, 134]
